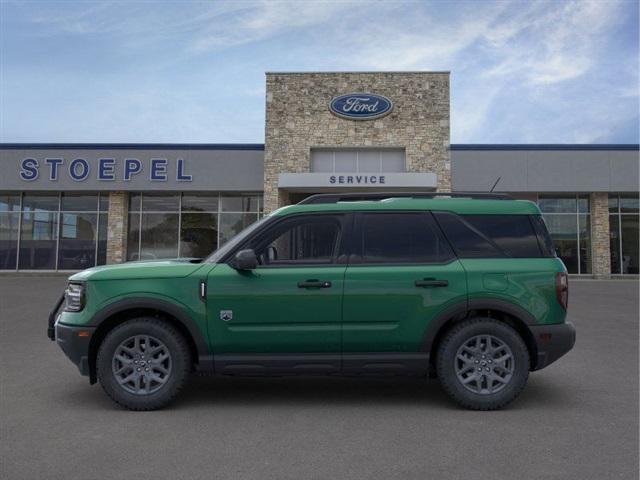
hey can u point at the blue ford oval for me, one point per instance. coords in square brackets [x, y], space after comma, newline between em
[360, 106]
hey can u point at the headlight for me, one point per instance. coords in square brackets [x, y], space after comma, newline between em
[74, 297]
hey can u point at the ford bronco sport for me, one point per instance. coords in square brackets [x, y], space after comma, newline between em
[466, 287]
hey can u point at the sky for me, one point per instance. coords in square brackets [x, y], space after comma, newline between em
[193, 72]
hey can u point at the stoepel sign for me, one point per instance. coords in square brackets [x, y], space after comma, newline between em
[360, 106]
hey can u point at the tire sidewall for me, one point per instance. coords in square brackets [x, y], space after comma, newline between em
[461, 334]
[180, 363]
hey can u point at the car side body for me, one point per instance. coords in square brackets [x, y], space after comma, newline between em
[332, 302]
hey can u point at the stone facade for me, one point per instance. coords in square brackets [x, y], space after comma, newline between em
[600, 248]
[117, 227]
[298, 119]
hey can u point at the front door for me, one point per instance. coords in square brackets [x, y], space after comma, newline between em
[286, 313]
[401, 275]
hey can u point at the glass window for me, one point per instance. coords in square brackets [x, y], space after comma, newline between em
[301, 240]
[9, 202]
[568, 219]
[77, 246]
[584, 236]
[135, 202]
[198, 234]
[467, 241]
[401, 238]
[133, 238]
[103, 230]
[104, 202]
[558, 204]
[200, 202]
[630, 246]
[159, 236]
[628, 204]
[614, 242]
[514, 234]
[623, 233]
[233, 223]
[79, 202]
[38, 239]
[40, 201]
[154, 202]
[244, 203]
[9, 222]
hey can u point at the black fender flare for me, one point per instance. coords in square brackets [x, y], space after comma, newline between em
[205, 358]
[462, 309]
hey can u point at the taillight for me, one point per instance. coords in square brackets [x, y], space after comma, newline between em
[562, 289]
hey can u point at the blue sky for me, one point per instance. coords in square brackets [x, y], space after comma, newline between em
[137, 71]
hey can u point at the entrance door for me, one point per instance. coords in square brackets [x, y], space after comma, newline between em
[286, 313]
[403, 273]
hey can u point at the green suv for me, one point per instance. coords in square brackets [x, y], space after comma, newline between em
[465, 287]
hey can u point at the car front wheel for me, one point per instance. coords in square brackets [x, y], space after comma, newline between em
[483, 364]
[143, 363]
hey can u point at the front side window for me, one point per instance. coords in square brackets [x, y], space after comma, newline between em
[401, 238]
[304, 240]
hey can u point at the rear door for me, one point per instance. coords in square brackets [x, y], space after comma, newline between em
[401, 274]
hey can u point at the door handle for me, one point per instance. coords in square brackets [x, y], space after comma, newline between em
[431, 282]
[314, 284]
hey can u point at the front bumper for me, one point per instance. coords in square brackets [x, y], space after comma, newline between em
[552, 342]
[74, 342]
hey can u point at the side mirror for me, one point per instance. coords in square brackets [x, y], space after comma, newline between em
[245, 260]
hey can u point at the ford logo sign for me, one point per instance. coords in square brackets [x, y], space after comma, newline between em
[360, 106]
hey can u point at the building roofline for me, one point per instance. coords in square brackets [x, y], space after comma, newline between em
[260, 146]
[544, 146]
[132, 146]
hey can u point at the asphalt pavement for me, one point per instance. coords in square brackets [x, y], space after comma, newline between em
[577, 419]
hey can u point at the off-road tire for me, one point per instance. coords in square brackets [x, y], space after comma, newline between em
[180, 362]
[452, 383]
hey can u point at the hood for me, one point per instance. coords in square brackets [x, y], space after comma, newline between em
[167, 268]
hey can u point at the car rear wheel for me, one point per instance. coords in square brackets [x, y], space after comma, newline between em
[483, 364]
[143, 363]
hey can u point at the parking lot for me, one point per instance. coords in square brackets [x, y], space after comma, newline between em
[576, 419]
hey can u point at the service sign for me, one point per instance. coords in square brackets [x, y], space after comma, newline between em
[360, 106]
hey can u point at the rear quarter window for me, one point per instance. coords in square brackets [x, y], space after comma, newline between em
[491, 236]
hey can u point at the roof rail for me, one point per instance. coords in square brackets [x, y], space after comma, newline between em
[357, 197]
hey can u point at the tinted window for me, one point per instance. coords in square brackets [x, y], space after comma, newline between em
[301, 240]
[401, 238]
[514, 234]
[544, 239]
[467, 241]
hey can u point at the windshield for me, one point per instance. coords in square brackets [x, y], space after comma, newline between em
[235, 241]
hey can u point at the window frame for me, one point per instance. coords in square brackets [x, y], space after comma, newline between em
[355, 256]
[262, 235]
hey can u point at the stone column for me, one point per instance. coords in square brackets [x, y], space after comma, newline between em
[600, 252]
[117, 227]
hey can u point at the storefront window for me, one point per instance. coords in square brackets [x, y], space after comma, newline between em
[623, 233]
[9, 228]
[187, 225]
[568, 220]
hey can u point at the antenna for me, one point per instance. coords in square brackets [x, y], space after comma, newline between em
[494, 185]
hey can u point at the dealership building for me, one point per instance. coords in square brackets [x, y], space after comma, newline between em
[67, 207]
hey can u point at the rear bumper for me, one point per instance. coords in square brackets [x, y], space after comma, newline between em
[552, 342]
[74, 342]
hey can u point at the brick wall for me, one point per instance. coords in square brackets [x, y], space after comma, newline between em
[298, 119]
[600, 250]
[117, 227]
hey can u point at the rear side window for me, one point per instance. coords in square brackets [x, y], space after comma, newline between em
[401, 238]
[491, 236]
[544, 239]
